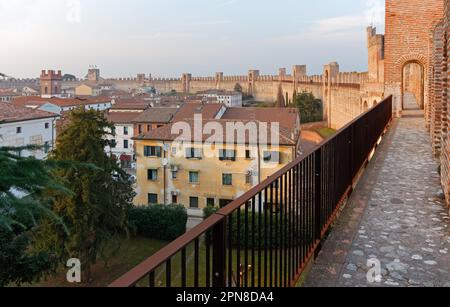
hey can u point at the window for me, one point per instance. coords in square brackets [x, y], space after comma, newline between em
[19, 130]
[248, 154]
[113, 143]
[193, 202]
[149, 127]
[153, 151]
[174, 175]
[152, 174]
[227, 155]
[113, 130]
[249, 179]
[47, 125]
[272, 156]
[193, 153]
[140, 129]
[174, 199]
[125, 144]
[194, 177]
[152, 199]
[227, 179]
[210, 202]
[125, 130]
[224, 202]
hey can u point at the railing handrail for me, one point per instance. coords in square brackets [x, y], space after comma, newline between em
[132, 277]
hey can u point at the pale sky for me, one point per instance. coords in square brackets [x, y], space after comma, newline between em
[169, 37]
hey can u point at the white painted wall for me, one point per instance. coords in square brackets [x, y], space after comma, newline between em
[33, 132]
[50, 107]
[120, 139]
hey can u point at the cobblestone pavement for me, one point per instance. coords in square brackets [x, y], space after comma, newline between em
[396, 218]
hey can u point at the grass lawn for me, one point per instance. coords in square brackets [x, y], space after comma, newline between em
[326, 132]
[133, 251]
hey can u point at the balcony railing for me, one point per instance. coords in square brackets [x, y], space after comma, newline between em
[266, 237]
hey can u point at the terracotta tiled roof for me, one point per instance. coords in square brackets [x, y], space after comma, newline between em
[286, 136]
[287, 117]
[122, 117]
[188, 110]
[10, 113]
[156, 115]
[130, 106]
[62, 102]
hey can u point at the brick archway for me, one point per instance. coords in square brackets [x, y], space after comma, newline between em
[400, 66]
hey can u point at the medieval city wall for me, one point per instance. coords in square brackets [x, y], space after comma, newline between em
[402, 48]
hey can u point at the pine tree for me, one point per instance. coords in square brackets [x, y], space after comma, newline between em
[22, 182]
[96, 212]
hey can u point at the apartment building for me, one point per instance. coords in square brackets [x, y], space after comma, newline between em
[175, 166]
[21, 126]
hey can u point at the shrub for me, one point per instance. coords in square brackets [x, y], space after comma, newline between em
[275, 239]
[159, 222]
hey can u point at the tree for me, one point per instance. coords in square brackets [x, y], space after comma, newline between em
[96, 211]
[280, 97]
[22, 183]
[310, 108]
[238, 88]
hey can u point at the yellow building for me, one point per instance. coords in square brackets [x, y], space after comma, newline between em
[176, 165]
[87, 90]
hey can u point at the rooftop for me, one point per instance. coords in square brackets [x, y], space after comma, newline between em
[61, 102]
[10, 113]
[156, 115]
[122, 117]
[287, 117]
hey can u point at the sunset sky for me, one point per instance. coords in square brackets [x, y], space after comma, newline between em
[169, 37]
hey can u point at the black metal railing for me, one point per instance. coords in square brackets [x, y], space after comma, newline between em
[266, 237]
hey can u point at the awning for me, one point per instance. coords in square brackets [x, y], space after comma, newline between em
[125, 158]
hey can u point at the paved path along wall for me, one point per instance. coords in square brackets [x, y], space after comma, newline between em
[396, 215]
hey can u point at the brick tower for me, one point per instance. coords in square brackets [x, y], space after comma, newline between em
[408, 41]
[51, 82]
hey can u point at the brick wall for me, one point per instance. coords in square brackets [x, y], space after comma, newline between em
[445, 156]
[436, 90]
[408, 39]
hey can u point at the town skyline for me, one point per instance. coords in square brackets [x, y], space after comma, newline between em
[160, 41]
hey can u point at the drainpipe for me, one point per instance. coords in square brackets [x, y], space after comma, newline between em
[259, 163]
[164, 170]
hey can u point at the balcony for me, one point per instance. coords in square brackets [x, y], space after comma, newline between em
[269, 236]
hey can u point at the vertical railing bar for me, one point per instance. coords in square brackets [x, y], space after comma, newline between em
[151, 279]
[260, 215]
[277, 225]
[253, 241]
[246, 246]
[196, 262]
[230, 251]
[238, 249]
[285, 226]
[271, 236]
[208, 260]
[169, 273]
[183, 268]
[266, 237]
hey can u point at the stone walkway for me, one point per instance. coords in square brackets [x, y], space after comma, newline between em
[395, 227]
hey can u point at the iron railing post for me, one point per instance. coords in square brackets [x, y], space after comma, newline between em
[219, 254]
[318, 194]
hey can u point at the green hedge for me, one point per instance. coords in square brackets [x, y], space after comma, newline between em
[159, 222]
[276, 240]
